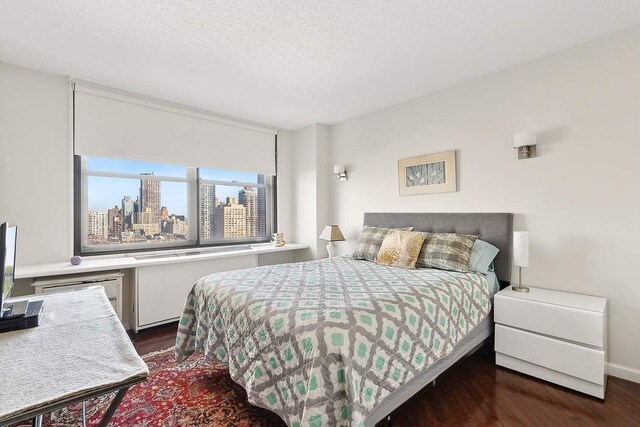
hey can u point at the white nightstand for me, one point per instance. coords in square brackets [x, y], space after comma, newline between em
[557, 336]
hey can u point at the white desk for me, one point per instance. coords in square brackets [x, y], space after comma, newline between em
[106, 263]
[79, 351]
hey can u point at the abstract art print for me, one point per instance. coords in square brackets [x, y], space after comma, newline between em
[433, 173]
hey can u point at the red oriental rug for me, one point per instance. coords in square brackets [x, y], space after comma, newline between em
[196, 392]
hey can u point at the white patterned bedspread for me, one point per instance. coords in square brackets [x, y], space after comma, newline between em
[322, 343]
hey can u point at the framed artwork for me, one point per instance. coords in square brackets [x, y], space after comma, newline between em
[433, 173]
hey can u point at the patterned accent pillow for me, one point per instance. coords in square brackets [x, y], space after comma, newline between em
[400, 248]
[446, 251]
[370, 241]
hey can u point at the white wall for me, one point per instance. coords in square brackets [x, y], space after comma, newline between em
[310, 166]
[324, 171]
[35, 162]
[285, 184]
[304, 189]
[579, 199]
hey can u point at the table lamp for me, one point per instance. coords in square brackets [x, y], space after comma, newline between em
[331, 233]
[520, 257]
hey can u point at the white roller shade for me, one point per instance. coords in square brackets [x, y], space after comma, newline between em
[119, 126]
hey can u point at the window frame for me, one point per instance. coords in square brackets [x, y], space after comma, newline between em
[193, 181]
[268, 185]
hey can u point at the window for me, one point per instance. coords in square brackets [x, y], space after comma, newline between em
[124, 205]
[233, 206]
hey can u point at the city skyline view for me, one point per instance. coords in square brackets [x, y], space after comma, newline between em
[102, 191]
[149, 207]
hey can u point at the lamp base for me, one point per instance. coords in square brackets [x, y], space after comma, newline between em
[520, 288]
[331, 249]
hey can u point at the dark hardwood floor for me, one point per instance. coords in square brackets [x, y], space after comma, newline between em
[154, 339]
[477, 393]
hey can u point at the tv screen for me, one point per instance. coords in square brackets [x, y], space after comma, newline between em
[8, 235]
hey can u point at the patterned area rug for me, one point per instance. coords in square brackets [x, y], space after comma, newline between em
[196, 392]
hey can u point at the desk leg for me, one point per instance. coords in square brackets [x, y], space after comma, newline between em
[37, 421]
[113, 407]
[84, 414]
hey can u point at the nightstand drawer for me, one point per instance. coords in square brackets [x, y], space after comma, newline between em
[571, 359]
[569, 323]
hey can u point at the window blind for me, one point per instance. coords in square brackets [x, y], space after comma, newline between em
[117, 125]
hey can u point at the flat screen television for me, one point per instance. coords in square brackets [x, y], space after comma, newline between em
[8, 237]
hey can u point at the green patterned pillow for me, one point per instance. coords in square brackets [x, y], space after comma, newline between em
[446, 251]
[370, 241]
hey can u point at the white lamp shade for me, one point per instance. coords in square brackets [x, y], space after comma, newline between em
[521, 248]
[338, 169]
[524, 138]
[331, 233]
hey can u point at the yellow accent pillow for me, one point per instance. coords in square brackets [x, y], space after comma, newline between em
[400, 248]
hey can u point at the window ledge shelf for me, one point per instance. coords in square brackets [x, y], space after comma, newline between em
[115, 263]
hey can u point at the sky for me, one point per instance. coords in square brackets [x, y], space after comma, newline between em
[105, 193]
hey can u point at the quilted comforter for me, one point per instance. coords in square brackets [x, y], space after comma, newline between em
[322, 343]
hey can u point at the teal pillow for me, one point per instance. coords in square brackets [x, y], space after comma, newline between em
[491, 276]
[482, 255]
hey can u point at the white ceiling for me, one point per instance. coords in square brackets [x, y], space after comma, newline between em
[289, 63]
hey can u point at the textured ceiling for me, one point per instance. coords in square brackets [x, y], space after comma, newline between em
[289, 63]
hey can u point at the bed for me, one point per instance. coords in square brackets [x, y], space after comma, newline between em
[341, 341]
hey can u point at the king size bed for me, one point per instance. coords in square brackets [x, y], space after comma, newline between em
[342, 341]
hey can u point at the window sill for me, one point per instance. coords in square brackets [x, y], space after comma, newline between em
[123, 262]
[169, 251]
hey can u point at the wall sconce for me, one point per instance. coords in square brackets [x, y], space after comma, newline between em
[340, 172]
[525, 143]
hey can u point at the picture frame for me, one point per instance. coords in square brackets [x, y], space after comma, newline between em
[429, 174]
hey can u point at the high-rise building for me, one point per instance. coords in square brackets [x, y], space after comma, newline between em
[262, 208]
[164, 213]
[117, 228]
[178, 225]
[114, 216]
[231, 220]
[146, 222]
[247, 197]
[127, 212]
[150, 198]
[98, 225]
[207, 214]
[136, 211]
[218, 231]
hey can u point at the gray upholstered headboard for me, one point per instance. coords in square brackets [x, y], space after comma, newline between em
[495, 228]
